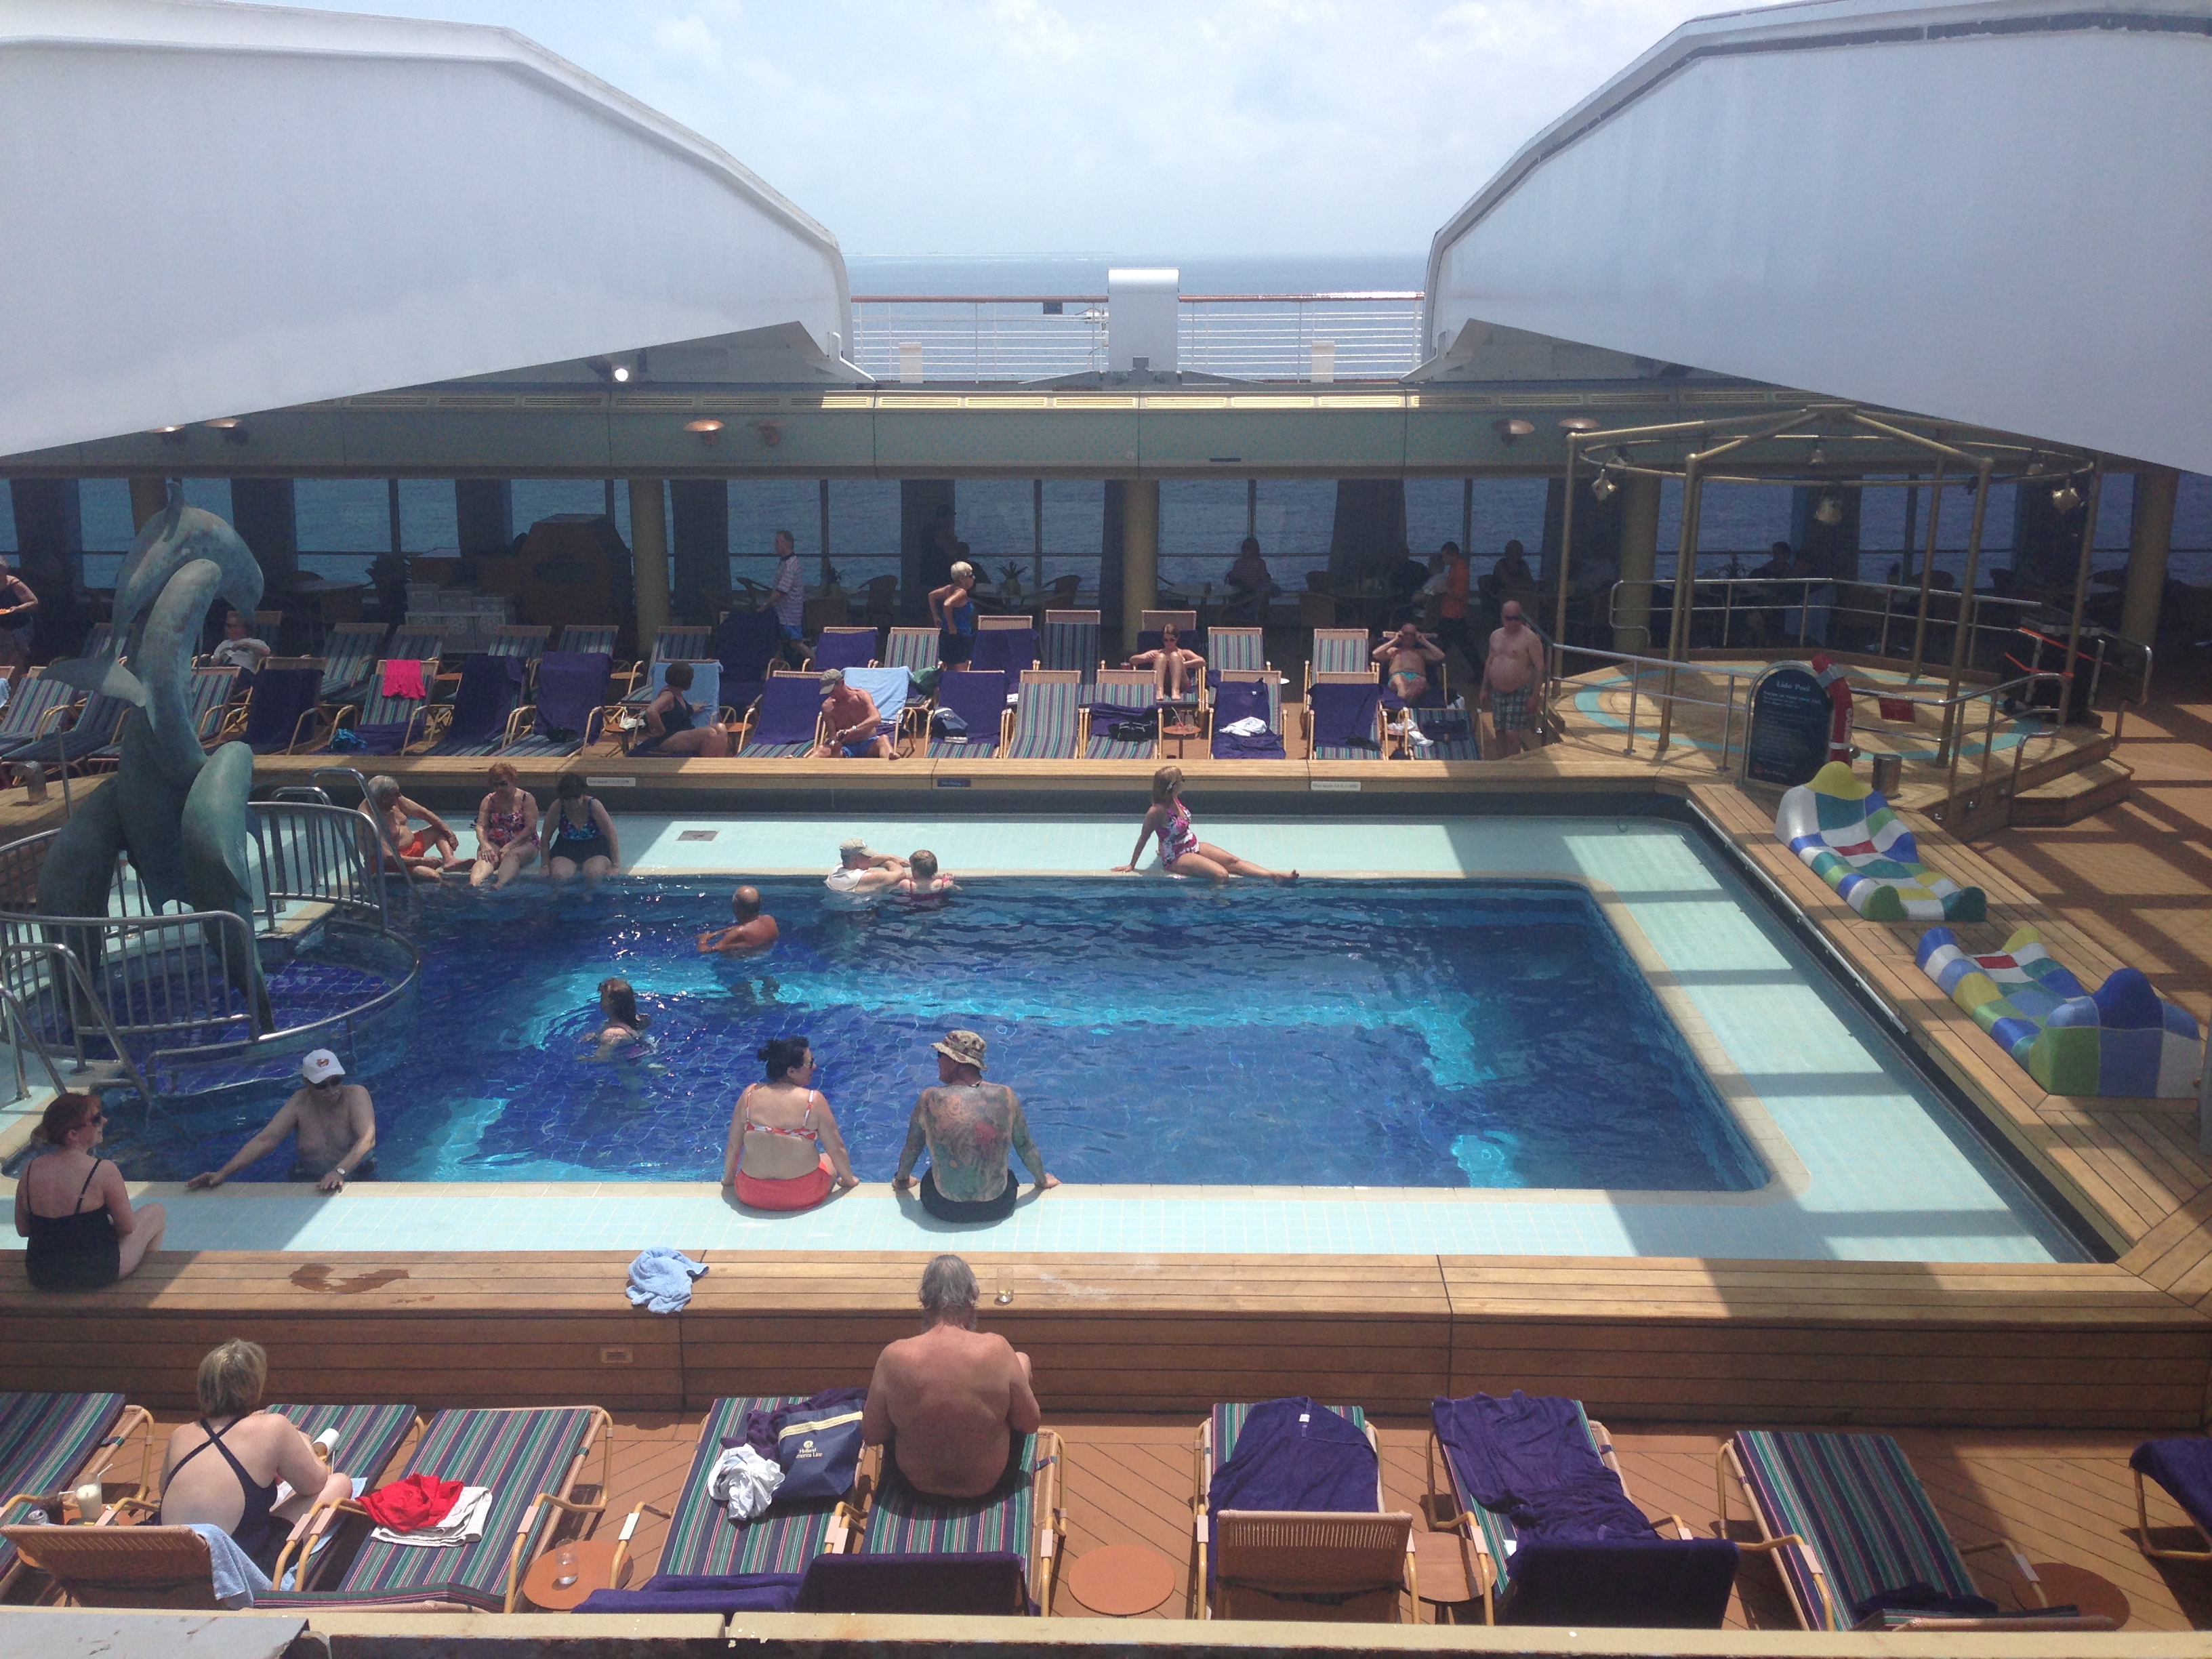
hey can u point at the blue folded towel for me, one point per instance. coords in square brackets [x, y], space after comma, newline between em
[237, 1580]
[661, 1279]
[1530, 1459]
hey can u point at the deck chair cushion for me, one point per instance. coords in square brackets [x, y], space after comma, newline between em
[1294, 1455]
[45, 1439]
[1671, 1583]
[1010, 649]
[2184, 1467]
[1344, 722]
[722, 1593]
[987, 1583]
[836, 648]
[1845, 831]
[280, 697]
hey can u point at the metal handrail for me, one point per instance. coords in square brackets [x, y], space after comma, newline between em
[82, 997]
[1970, 605]
[25, 1032]
[342, 1022]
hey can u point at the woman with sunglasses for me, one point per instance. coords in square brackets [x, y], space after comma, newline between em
[72, 1204]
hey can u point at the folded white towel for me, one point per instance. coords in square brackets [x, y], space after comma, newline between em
[464, 1524]
[1250, 726]
[744, 1481]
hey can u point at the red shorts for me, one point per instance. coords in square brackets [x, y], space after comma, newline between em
[793, 1193]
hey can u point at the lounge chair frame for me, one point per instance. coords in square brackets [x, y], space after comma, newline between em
[2142, 1531]
[134, 1420]
[1047, 1523]
[1325, 1530]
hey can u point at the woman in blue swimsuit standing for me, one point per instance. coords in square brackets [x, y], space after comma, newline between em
[1181, 853]
[953, 608]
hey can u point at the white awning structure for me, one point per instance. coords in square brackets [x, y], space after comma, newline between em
[214, 210]
[1999, 213]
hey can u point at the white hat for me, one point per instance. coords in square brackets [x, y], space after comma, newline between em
[320, 1065]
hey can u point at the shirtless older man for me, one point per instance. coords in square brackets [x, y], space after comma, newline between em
[954, 1403]
[1407, 656]
[334, 1120]
[754, 931]
[969, 1126]
[853, 722]
[1510, 679]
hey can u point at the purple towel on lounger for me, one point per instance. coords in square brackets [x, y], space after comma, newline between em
[843, 651]
[1344, 715]
[1238, 700]
[1294, 1454]
[570, 685]
[670, 1592]
[1009, 650]
[989, 1583]
[790, 709]
[1665, 1583]
[747, 641]
[489, 686]
[979, 698]
[1530, 1460]
[280, 697]
[2184, 1467]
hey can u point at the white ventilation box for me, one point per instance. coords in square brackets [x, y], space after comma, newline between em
[1143, 313]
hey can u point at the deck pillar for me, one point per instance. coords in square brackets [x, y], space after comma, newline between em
[1140, 555]
[263, 512]
[700, 546]
[148, 497]
[2150, 538]
[648, 558]
[1639, 555]
[483, 515]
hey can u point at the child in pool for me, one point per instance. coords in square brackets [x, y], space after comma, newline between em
[921, 880]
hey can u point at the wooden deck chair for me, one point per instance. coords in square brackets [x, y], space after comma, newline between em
[97, 638]
[73, 742]
[785, 724]
[1344, 720]
[598, 639]
[529, 1457]
[979, 697]
[1341, 651]
[2183, 1467]
[51, 1442]
[1846, 1519]
[1134, 690]
[911, 648]
[407, 720]
[1025, 1521]
[1071, 640]
[1272, 684]
[29, 715]
[568, 713]
[267, 625]
[1266, 1563]
[1185, 622]
[207, 700]
[988, 619]
[122, 1566]
[1046, 727]
[523, 640]
[845, 647]
[682, 643]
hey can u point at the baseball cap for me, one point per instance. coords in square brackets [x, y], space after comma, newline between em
[320, 1065]
[832, 678]
[963, 1047]
[855, 845]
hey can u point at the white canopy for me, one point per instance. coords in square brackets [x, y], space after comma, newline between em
[211, 210]
[1999, 213]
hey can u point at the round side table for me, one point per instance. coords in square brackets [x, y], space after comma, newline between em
[1121, 1580]
[595, 1560]
[2093, 1593]
[1441, 1561]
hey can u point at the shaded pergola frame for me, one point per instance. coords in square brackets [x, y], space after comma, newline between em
[1789, 451]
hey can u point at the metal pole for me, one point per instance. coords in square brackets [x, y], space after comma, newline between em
[1927, 570]
[1036, 529]
[1465, 515]
[1566, 553]
[1958, 641]
[1686, 568]
[2081, 585]
[825, 532]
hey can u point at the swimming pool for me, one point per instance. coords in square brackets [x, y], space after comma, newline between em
[1493, 1034]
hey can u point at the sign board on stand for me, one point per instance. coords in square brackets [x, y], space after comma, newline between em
[1788, 741]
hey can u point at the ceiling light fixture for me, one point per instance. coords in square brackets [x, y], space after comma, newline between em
[620, 373]
[233, 428]
[1511, 428]
[708, 430]
[1602, 486]
[1818, 457]
[1829, 512]
[2066, 498]
[170, 435]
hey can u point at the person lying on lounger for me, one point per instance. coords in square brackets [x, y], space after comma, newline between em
[335, 1121]
[954, 1403]
[755, 930]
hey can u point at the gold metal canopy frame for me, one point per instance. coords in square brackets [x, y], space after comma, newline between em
[1700, 445]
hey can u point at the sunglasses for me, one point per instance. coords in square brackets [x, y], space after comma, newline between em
[91, 1119]
[328, 1083]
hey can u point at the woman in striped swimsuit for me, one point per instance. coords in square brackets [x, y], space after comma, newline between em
[1181, 853]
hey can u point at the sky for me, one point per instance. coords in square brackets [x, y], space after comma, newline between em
[1189, 127]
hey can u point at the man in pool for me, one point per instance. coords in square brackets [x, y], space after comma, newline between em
[335, 1121]
[1511, 675]
[969, 1126]
[861, 874]
[755, 931]
[853, 722]
[955, 1403]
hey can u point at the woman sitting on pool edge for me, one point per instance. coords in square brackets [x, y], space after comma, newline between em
[507, 829]
[774, 1127]
[577, 834]
[1181, 853]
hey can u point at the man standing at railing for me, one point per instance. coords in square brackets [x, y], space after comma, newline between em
[1512, 675]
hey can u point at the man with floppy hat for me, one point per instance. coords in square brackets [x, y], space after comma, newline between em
[335, 1121]
[969, 1126]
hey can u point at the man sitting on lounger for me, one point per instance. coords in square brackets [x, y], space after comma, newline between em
[855, 724]
[969, 1125]
[954, 1403]
[1409, 653]
[335, 1120]
[754, 932]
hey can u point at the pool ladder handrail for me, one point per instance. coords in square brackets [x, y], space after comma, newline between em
[81, 996]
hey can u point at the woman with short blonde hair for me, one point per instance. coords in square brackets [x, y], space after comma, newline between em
[507, 829]
[255, 1450]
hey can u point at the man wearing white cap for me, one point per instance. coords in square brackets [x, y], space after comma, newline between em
[334, 1120]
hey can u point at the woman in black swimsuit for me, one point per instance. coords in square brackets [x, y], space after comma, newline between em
[674, 724]
[73, 1207]
[578, 834]
[236, 1489]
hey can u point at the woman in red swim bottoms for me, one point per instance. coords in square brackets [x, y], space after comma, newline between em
[785, 1152]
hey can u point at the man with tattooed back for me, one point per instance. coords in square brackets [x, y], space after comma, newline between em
[969, 1126]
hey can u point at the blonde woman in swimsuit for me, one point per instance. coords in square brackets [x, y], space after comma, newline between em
[784, 1151]
[507, 830]
[1181, 853]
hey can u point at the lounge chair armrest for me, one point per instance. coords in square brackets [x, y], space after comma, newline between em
[139, 1505]
[2019, 1561]
[308, 1527]
[622, 1542]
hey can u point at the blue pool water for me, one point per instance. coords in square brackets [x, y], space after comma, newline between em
[1452, 1034]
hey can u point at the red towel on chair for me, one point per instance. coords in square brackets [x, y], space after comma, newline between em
[404, 678]
[419, 1500]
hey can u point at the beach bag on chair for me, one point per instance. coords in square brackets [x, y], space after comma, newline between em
[819, 1451]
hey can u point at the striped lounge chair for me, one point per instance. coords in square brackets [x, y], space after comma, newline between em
[350, 651]
[980, 699]
[1296, 1565]
[1234, 650]
[1046, 723]
[1337, 714]
[97, 639]
[704, 1548]
[845, 647]
[1025, 1522]
[50, 1442]
[589, 637]
[1133, 688]
[482, 717]
[1151, 624]
[387, 724]
[1671, 1579]
[1006, 643]
[1242, 697]
[25, 720]
[1849, 1524]
[523, 640]
[530, 1458]
[682, 643]
[786, 723]
[570, 710]
[911, 648]
[1341, 651]
[207, 698]
[1071, 640]
[284, 707]
[2182, 1466]
[97, 726]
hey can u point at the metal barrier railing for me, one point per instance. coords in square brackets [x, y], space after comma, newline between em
[1748, 600]
[41, 973]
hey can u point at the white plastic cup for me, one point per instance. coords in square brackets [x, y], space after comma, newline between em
[325, 1442]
